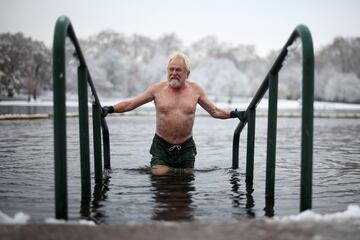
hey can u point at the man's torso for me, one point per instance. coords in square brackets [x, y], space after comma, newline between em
[175, 112]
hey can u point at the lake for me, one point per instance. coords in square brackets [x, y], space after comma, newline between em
[215, 191]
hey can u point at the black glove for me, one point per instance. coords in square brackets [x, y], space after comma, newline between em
[241, 115]
[106, 110]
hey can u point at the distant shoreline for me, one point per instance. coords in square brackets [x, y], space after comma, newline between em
[17, 110]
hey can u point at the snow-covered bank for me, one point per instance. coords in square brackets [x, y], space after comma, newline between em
[240, 104]
[254, 229]
[22, 218]
[17, 110]
[19, 218]
[351, 213]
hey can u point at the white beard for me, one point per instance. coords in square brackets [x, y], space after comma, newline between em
[174, 83]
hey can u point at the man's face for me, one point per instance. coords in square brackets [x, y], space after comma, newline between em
[177, 73]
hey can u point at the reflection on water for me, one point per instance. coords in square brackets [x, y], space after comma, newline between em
[214, 191]
[172, 195]
[172, 198]
[93, 209]
[238, 196]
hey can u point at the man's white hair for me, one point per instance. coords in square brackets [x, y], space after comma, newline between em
[182, 56]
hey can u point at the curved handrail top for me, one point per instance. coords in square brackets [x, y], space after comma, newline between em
[63, 28]
[301, 31]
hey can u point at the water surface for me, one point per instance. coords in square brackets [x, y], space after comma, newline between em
[215, 191]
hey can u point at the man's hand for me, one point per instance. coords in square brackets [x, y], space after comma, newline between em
[106, 110]
[241, 115]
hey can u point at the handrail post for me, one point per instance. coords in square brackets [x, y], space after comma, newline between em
[235, 152]
[106, 144]
[84, 135]
[250, 150]
[307, 118]
[97, 142]
[236, 140]
[61, 205]
[271, 140]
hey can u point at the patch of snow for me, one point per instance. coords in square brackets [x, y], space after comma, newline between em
[19, 218]
[61, 221]
[352, 212]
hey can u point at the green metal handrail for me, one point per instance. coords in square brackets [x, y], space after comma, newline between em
[271, 83]
[64, 29]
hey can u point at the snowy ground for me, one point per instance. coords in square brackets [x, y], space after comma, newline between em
[351, 213]
[307, 225]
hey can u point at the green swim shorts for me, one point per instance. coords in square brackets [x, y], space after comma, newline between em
[175, 156]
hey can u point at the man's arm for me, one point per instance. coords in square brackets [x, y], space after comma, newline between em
[128, 105]
[216, 112]
[210, 107]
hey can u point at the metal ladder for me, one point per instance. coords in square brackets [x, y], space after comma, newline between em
[64, 29]
[271, 83]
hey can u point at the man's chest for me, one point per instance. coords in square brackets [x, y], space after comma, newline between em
[184, 103]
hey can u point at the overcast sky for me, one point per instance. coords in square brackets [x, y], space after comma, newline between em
[264, 24]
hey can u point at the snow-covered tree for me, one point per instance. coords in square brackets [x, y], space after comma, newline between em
[123, 66]
[25, 65]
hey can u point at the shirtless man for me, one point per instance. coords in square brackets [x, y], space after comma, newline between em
[173, 148]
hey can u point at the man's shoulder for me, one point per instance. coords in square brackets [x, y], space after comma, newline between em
[157, 86]
[195, 86]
